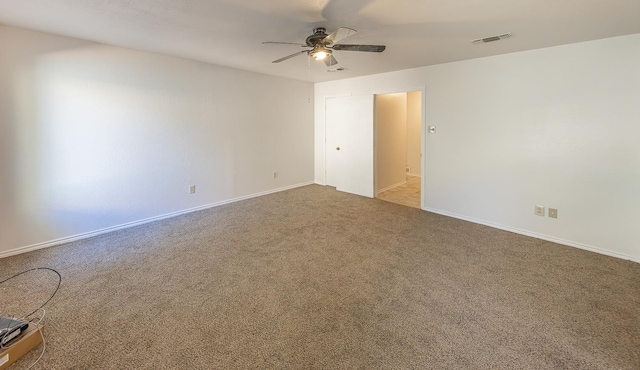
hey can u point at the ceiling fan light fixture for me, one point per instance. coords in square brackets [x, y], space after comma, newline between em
[319, 53]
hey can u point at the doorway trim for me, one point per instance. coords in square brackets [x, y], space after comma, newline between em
[423, 137]
[423, 130]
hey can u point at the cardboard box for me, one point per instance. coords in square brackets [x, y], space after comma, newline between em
[23, 344]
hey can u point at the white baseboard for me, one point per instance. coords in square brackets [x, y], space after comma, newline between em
[537, 236]
[90, 234]
[390, 187]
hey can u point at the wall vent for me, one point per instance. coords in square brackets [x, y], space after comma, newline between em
[339, 69]
[492, 38]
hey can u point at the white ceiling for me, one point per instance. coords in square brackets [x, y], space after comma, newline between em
[416, 32]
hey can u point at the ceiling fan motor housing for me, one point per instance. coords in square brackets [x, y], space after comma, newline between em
[319, 34]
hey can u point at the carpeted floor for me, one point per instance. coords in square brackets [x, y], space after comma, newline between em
[312, 278]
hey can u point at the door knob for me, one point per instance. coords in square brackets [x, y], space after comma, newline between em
[338, 148]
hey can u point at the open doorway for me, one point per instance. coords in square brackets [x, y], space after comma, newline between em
[398, 148]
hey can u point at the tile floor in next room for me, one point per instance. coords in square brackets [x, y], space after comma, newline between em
[407, 194]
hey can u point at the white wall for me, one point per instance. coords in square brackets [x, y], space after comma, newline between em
[414, 126]
[391, 140]
[559, 127]
[94, 136]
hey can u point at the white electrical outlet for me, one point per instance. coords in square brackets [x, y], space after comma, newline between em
[192, 189]
[553, 213]
[539, 210]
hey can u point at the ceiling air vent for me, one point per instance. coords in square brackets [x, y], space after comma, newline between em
[491, 38]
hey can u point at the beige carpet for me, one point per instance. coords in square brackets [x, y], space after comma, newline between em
[312, 278]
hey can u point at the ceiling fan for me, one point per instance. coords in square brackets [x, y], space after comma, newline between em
[323, 44]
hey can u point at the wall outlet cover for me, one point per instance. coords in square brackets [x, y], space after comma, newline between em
[539, 210]
[553, 213]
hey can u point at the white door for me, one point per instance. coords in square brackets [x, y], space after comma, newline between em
[349, 144]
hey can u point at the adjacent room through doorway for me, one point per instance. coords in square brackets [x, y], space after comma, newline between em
[398, 149]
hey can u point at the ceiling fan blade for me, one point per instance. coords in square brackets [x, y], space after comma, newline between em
[369, 48]
[284, 43]
[330, 60]
[339, 34]
[291, 56]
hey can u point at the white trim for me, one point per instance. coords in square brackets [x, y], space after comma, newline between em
[538, 236]
[90, 234]
[423, 149]
[391, 187]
